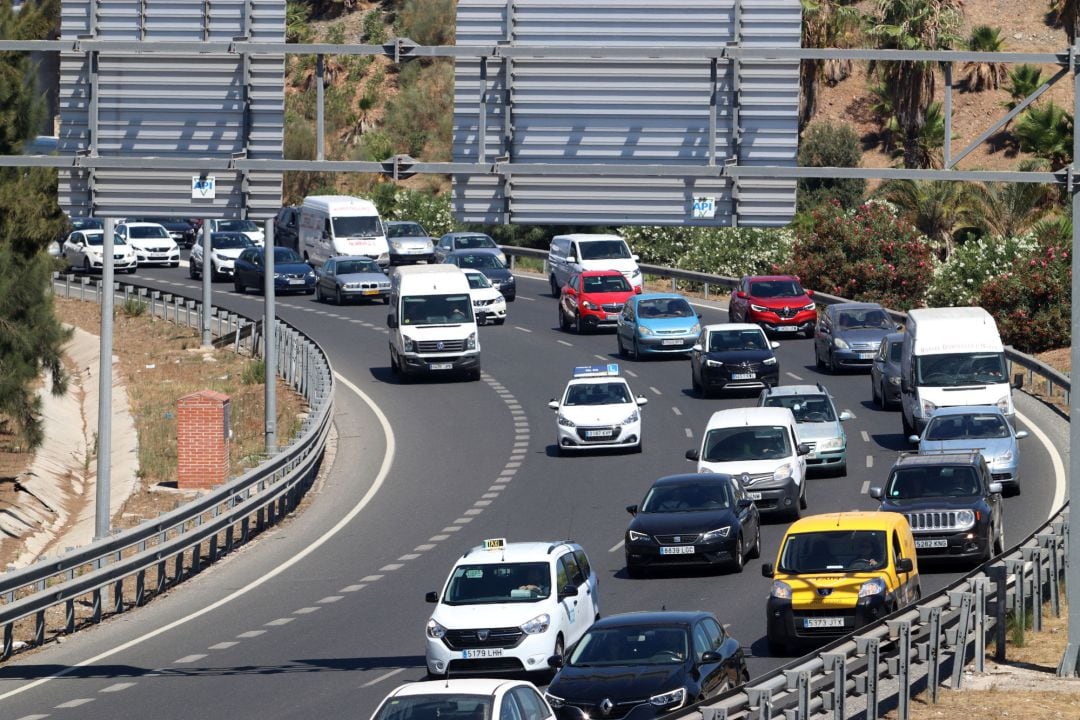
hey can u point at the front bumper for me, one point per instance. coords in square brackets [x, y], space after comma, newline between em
[782, 497]
[967, 545]
[364, 293]
[118, 264]
[826, 460]
[414, 364]
[283, 285]
[714, 378]
[594, 319]
[666, 344]
[528, 653]
[490, 313]
[606, 437]
[147, 258]
[786, 625]
[648, 553]
[638, 709]
[803, 321]
[508, 288]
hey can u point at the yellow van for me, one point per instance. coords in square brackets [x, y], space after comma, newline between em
[835, 573]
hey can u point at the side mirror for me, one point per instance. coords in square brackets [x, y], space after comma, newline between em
[697, 347]
[846, 415]
[555, 662]
[632, 509]
[767, 570]
[743, 503]
[774, 344]
[899, 327]
[905, 565]
[568, 591]
[996, 488]
[741, 295]
[1018, 380]
[876, 493]
[642, 400]
[710, 656]
[913, 439]
[553, 404]
[432, 597]
[699, 316]
[391, 321]
[635, 258]
[1021, 434]
[804, 449]
[809, 293]
[693, 455]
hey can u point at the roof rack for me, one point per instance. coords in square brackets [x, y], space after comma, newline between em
[558, 543]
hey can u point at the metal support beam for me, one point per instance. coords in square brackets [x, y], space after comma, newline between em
[104, 433]
[270, 345]
[714, 93]
[207, 297]
[947, 146]
[481, 120]
[320, 131]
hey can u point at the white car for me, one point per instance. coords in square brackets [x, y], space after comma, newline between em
[465, 699]
[248, 227]
[509, 607]
[760, 447]
[488, 303]
[597, 410]
[152, 243]
[83, 251]
[225, 247]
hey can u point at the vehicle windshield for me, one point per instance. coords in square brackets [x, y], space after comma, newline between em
[775, 289]
[237, 226]
[357, 267]
[286, 255]
[932, 481]
[630, 646]
[148, 232]
[805, 408]
[986, 426]
[604, 284]
[833, 551]
[98, 239]
[450, 706]
[478, 281]
[664, 308]
[501, 583]
[960, 369]
[229, 241]
[473, 242]
[436, 310]
[597, 394]
[604, 250]
[479, 261]
[895, 348]
[724, 340]
[357, 226]
[405, 230]
[87, 223]
[688, 497]
[871, 318]
[746, 443]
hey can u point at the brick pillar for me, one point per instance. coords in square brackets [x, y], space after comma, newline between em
[202, 447]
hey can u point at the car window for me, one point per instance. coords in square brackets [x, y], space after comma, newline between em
[605, 283]
[805, 408]
[229, 241]
[583, 563]
[687, 497]
[478, 281]
[509, 709]
[531, 704]
[665, 308]
[833, 551]
[507, 582]
[715, 633]
[932, 481]
[630, 646]
[472, 242]
[480, 261]
[604, 250]
[895, 348]
[727, 340]
[437, 706]
[897, 549]
[775, 289]
[702, 643]
[573, 572]
[148, 232]
[747, 443]
[562, 577]
[597, 394]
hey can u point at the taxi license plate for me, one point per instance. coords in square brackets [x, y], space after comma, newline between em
[478, 653]
[754, 496]
[786, 328]
[440, 366]
[369, 292]
[935, 543]
[823, 622]
[296, 281]
[671, 342]
[677, 550]
[597, 433]
[742, 376]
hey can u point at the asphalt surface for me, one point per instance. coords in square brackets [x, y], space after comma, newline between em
[324, 615]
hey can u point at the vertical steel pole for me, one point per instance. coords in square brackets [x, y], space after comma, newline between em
[270, 346]
[104, 434]
[320, 137]
[946, 149]
[206, 269]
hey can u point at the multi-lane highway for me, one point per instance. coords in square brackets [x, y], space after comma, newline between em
[325, 614]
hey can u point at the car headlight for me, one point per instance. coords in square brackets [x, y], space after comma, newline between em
[470, 343]
[716, 534]
[221, 258]
[811, 306]
[783, 472]
[407, 344]
[872, 587]
[635, 273]
[840, 343]
[834, 443]
[669, 700]
[554, 701]
[310, 274]
[928, 408]
[696, 329]
[965, 519]
[1004, 457]
[769, 361]
[780, 590]
[635, 536]
[279, 276]
[758, 308]
[589, 306]
[565, 421]
[895, 381]
[537, 625]
[631, 418]
[434, 629]
[395, 244]
[714, 363]
[1003, 404]
[644, 331]
[502, 257]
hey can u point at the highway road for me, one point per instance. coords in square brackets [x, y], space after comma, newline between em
[325, 614]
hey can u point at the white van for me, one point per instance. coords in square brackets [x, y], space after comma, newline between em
[431, 321]
[571, 254]
[951, 356]
[332, 225]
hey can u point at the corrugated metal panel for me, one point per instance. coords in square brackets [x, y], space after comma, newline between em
[172, 106]
[645, 111]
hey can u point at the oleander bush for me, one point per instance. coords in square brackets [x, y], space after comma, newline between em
[732, 252]
[959, 280]
[1031, 301]
[427, 208]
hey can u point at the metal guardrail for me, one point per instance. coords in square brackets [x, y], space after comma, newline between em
[885, 662]
[178, 544]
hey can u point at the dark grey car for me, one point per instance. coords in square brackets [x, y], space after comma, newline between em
[351, 277]
[849, 334]
[885, 371]
[488, 263]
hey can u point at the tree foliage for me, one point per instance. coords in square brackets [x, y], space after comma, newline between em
[1046, 131]
[825, 144]
[984, 75]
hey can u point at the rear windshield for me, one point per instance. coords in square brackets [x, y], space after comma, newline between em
[237, 226]
[230, 241]
[834, 551]
[440, 706]
[746, 443]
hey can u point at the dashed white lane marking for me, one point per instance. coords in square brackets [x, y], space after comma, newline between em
[522, 436]
[451, 529]
[251, 634]
[370, 578]
[117, 687]
[463, 520]
[655, 390]
[223, 645]
[616, 546]
[489, 496]
[424, 548]
[74, 703]
[526, 299]
[409, 556]
[437, 538]
[280, 621]
[605, 358]
[353, 588]
[497, 488]
[330, 599]
[482, 503]
[305, 610]
[676, 410]
[382, 677]
[631, 373]
[524, 330]
[869, 461]
[689, 432]
[190, 659]
[390, 567]
[793, 376]
[474, 511]
[865, 436]
[563, 342]
[865, 487]
[33, 717]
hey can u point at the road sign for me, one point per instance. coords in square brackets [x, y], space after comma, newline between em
[203, 188]
[704, 208]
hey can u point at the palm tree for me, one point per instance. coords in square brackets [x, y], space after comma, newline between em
[940, 209]
[913, 25]
[1046, 131]
[1054, 230]
[297, 28]
[826, 24]
[1067, 12]
[1009, 209]
[1022, 81]
[985, 75]
[929, 148]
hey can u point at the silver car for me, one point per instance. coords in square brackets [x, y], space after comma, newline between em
[349, 277]
[409, 243]
[816, 421]
[976, 427]
[885, 372]
[848, 335]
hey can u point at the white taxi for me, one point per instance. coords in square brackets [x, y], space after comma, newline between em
[489, 305]
[510, 607]
[598, 410]
[471, 699]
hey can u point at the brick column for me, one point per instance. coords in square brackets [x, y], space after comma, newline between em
[202, 447]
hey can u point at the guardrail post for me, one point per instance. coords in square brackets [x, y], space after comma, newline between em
[762, 700]
[980, 625]
[707, 713]
[1050, 542]
[799, 681]
[1035, 556]
[999, 576]
[95, 613]
[118, 596]
[39, 628]
[933, 651]
[835, 699]
[69, 617]
[871, 648]
[960, 648]
[8, 643]
[1016, 568]
[903, 670]
[213, 538]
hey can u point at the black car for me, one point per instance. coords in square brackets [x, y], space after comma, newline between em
[180, 230]
[952, 503]
[489, 264]
[645, 663]
[733, 357]
[287, 227]
[291, 273]
[693, 519]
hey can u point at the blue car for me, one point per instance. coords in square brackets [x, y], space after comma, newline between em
[976, 427]
[657, 323]
[291, 272]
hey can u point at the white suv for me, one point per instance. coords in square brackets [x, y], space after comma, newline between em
[760, 447]
[508, 607]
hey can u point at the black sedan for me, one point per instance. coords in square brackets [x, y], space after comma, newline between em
[291, 273]
[645, 663]
[489, 264]
[693, 519]
[733, 356]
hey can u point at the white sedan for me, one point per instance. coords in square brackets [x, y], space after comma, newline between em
[598, 411]
[489, 305]
[225, 247]
[83, 251]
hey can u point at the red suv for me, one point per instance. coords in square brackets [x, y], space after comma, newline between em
[593, 299]
[777, 303]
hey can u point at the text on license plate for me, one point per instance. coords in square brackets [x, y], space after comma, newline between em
[742, 376]
[612, 316]
[481, 653]
[866, 356]
[677, 550]
[296, 281]
[934, 543]
[786, 328]
[672, 341]
[597, 433]
[754, 496]
[440, 366]
[369, 292]
[823, 622]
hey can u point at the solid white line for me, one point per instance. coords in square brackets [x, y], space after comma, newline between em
[655, 390]
[865, 436]
[380, 478]
[676, 410]
[223, 645]
[616, 546]
[865, 487]
[869, 461]
[189, 659]
[563, 342]
[117, 687]
[1055, 460]
[379, 679]
[525, 330]
[793, 376]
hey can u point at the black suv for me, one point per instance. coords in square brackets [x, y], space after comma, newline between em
[287, 228]
[952, 503]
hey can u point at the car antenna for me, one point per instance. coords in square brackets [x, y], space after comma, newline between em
[663, 607]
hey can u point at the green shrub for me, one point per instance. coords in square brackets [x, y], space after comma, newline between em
[960, 279]
[827, 145]
[297, 29]
[430, 210]
[335, 34]
[419, 117]
[134, 307]
[254, 372]
[1031, 301]
[428, 22]
[731, 252]
[374, 29]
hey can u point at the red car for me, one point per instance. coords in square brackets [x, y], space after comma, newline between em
[593, 299]
[778, 303]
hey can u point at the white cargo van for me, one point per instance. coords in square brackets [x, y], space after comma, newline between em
[332, 225]
[951, 356]
[572, 254]
[431, 321]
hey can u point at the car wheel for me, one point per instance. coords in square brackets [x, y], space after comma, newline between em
[564, 324]
[386, 300]
[86, 265]
[999, 542]
[833, 369]
[755, 550]
[191, 269]
[554, 287]
[879, 400]
[318, 294]
[908, 429]
[237, 285]
[474, 375]
[636, 351]
[560, 647]
[694, 384]
[777, 648]
[736, 564]
[338, 299]
[841, 469]
[818, 362]
[579, 324]
[802, 499]
[618, 341]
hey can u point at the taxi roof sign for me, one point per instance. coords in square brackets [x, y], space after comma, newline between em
[494, 544]
[609, 370]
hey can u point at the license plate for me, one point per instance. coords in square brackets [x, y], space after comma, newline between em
[296, 281]
[786, 328]
[823, 622]
[671, 342]
[597, 433]
[440, 366]
[937, 543]
[369, 292]
[482, 653]
[754, 495]
[742, 376]
[677, 550]
[612, 316]
[866, 355]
